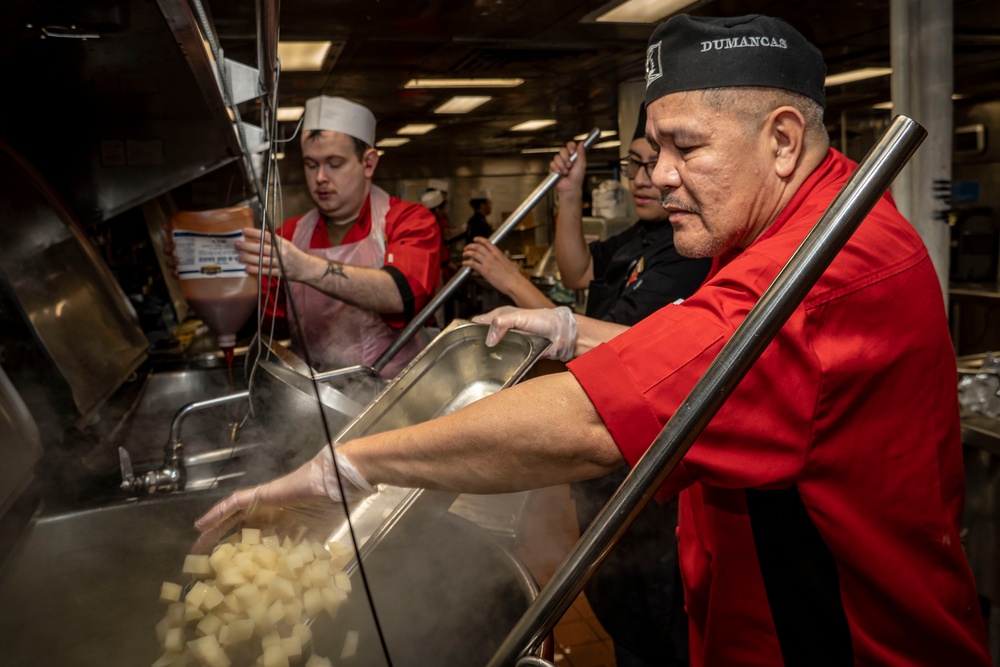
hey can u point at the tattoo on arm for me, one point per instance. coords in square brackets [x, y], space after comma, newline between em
[334, 269]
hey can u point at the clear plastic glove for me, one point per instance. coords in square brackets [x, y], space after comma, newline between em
[307, 496]
[556, 324]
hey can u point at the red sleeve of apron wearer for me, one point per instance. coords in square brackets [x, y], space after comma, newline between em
[413, 246]
[637, 381]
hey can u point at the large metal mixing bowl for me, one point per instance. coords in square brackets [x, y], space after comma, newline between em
[82, 589]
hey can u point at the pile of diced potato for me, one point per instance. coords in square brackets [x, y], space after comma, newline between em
[250, 602]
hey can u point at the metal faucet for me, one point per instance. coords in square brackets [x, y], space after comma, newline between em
[172, 475]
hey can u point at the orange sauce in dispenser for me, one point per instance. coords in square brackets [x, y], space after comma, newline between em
[213, 279]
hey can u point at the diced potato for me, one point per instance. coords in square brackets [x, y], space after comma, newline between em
[342, 581]
[282, 588]
[223, 634]
[196, 595]
[226, 615]
[305, 552]
[350, 645]
[332, 597]
[258, 614]
[318, 661]
[175, 612]
[264, 577]
[275, 657]
[293, 612]
[233, 603]
[289, 566]
[222, 557]
[312, 599]
[270, 639]
[209, 625]
[248, 594]
[292, 647]
[303, 632]
[192, 614]
[213, 598]
[170, 592]
[197, 565]
[231, 578]
[162, 628]
[265, 557]
[275, 612]
[251, 536]
[271, 542]
[174, 642]
[319, 551]
[240, 630]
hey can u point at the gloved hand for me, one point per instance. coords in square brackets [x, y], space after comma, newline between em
[308, 495]
[556, 324]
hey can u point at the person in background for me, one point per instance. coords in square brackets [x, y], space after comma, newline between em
[477, 225]
[820, 508]
[360, 264]
[636, 594]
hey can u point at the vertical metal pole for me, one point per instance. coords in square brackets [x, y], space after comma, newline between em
[868, 183]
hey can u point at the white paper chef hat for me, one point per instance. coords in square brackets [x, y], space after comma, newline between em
[432, 199]
[339, 115]
[438, 184]
[480, 194]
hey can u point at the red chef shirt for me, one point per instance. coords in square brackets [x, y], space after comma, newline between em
[853, 404]
[413, 244]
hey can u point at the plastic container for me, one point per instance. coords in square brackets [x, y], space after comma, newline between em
[213, 278]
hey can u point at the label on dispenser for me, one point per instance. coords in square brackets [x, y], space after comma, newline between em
[202, 255]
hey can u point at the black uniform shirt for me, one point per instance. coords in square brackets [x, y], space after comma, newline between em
[639, 271]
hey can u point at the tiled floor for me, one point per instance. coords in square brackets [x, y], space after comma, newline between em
[549, 532]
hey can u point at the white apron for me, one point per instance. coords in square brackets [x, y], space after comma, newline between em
[336, 333]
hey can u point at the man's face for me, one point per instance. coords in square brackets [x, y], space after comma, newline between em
[338, 182]
[645, 196]
[713, 174]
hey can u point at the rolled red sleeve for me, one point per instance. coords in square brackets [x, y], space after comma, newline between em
[413, 249]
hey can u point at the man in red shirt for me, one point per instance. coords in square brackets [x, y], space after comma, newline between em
[360, 264]
[820, 508]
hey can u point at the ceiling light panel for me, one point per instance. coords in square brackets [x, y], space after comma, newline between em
[416, 128]
[857, 75]
[303, 56]
[604, 135]
[549, 149]
[608, 144]
[290, 114]
[643, 11]
[463, 103]
[529, 125]
[390, 142]
[463, 83]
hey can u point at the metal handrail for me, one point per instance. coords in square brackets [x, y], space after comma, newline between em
[456, 281]
[861, 192]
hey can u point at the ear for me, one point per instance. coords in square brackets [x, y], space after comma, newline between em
[786, 139]
[370, 161]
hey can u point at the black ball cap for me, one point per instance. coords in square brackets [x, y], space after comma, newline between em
[694, 53]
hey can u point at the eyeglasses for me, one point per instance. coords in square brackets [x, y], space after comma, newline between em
[631, 167]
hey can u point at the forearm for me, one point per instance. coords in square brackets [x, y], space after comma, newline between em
[526, 295]
[539, 433]
[371, 289]
[572, 253]
[591, 332]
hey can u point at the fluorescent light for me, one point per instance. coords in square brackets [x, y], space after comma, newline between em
[882, 105]
[390, 142]
[643, 11]
[529, 125]
[463, 83]
[602, 135]
[279, 156]
[303, 56]
[463, 103]
[290, 113]
[608, 144]
[549, 149]
[857, 75]
[380, 152]
[416, 128]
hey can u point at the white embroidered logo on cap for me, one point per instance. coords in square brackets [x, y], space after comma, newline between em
[738, 43]
[654, 69]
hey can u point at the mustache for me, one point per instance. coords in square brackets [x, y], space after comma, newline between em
[668, 199]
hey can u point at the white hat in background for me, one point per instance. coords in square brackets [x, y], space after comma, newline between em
[480, 194]
[432, 199]
[336, 114]
[438, 184]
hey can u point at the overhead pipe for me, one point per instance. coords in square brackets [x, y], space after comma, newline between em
[855, 200]
[267, 49]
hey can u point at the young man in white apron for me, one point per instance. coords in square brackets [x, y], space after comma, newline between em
[360, 264]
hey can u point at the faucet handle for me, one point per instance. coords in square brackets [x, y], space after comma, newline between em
[125, 465]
